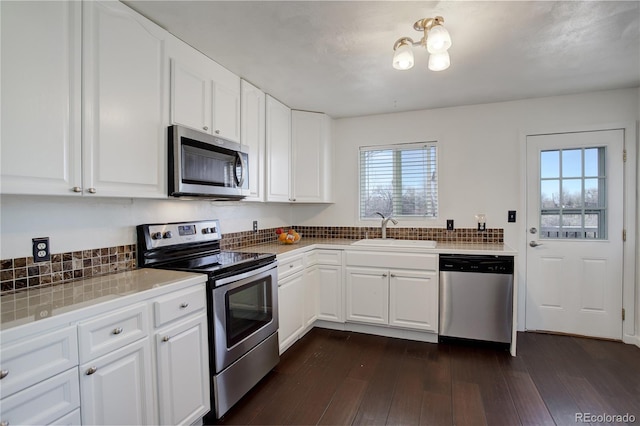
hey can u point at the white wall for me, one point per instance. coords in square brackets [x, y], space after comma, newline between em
[480, 154]
[74, 223]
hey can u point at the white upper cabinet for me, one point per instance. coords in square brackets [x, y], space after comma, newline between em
[278, 128]
[40, 145]
[59, 56]
[311, 157]
[124, 97]
[204, 95]
[252, 120]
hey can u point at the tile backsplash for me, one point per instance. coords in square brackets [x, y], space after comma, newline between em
[22, 272]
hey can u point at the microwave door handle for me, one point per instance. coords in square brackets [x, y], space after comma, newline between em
[243, 168]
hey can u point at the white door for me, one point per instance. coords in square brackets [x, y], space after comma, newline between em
[574, 233]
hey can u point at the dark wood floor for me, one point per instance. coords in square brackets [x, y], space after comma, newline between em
[340, 378]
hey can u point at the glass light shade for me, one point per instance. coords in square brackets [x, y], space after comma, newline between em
[438, 39]
[439, 61]
[403, 57]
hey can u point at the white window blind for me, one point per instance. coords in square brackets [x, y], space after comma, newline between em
[399, 180]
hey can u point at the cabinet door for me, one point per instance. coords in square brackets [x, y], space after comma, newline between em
[41, 132]
[290, 310]
[311, 294]
[225, 88]
[183, 372]
[124, 100]
[310, 156]
[116, 389]
[367, 295]
[413, 300]
[252, 134]
[330, 307]
[190, 94]
[278, 142]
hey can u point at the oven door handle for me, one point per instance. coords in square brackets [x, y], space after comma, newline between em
[248, 274]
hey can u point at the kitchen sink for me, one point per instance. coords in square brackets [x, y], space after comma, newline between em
[390, 242]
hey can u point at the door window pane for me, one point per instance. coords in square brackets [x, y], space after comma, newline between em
[572, 194]
[550, 164]
[572, 163]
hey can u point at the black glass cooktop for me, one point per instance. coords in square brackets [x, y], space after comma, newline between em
[222, 262]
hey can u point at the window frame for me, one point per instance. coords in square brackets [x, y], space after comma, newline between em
[396, 147]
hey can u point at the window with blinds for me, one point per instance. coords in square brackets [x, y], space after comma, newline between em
[399, 180]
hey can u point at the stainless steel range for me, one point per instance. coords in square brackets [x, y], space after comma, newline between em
[242, 302]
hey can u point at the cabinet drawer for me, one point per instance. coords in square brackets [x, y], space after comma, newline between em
[400, 260]
[109, 332]
[310, 258]
[32, 360]
[290, 266]
[329, 257]
[43, 403]
[180, 304]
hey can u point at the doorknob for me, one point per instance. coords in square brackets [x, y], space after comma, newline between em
[533, 230]
[534, 244]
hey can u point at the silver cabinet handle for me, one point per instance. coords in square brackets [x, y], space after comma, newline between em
[76, 189]
[91, 190]
[3, 374]
[166, 338]
[117, 330]
[534, 244]
[217, 132]
[205, 128]
[393, 275]
[290, 266]
[91, 370]
[384, 275]
[184, 305]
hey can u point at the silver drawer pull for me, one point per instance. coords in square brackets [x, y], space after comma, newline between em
[384, 275]
[117, 330]
[290, 266]
[76, 189]
[3, 374]
[184, 305]
[166, 338]
[91, 370]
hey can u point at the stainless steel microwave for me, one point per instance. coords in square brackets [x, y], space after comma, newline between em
[202, 165]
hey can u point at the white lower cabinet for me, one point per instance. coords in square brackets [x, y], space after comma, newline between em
[103, 369]
[403, 298]
[291, 306]
[116, 389]
[399, 298]
[183, 373]
[368, 295]
[413, 300]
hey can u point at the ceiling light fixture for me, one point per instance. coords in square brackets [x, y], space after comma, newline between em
[436, 40]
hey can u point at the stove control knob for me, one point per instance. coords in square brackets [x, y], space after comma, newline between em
[205, 230]
[214, 230]
[156, 235]
[167, 234]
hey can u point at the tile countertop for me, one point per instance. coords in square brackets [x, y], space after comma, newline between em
[32, 304]
[339, 243]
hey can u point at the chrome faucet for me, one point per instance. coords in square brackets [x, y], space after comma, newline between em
[386, 220]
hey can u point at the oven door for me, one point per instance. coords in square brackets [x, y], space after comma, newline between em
[245, 312]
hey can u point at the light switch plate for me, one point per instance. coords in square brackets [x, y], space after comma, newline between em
[511, 217]
[449, 224]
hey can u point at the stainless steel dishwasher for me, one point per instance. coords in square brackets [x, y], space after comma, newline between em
[476, 297]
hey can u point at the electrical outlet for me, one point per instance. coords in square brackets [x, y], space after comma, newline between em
[255, 226]
[511, 217]
[40, 248]
[449, 224]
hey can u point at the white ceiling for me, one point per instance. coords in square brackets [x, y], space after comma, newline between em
[335, 56]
